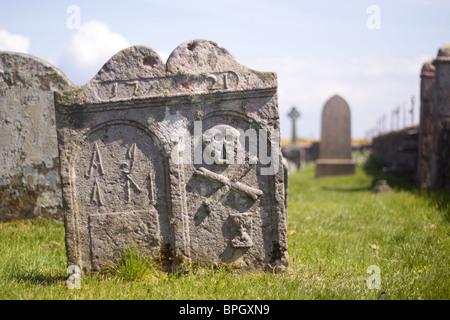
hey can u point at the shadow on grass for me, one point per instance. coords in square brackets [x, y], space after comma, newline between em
[38, 278]
[438, 198]
[374, 169]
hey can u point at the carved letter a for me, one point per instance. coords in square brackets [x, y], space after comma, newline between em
[96, 162]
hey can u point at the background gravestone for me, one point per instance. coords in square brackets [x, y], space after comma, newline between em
[335, 149]
[29, 178]
[293, 152]
[427, 90]
[440, 172]
[122, 137]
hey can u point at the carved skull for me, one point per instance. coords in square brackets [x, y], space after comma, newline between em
[221, 144]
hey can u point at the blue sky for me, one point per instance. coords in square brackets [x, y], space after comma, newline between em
[317, 48]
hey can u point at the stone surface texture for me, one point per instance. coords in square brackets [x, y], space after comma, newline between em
[397, 151]
[427, 91]
[440, 167]
[29, 164]
[335, 148]
[122, 137]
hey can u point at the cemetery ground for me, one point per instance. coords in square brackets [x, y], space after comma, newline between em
[337, 229]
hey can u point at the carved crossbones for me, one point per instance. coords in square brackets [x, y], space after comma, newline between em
[228, 184]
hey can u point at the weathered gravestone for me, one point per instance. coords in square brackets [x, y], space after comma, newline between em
[427, 90]
[180, 160]
[440, 163]
[29, 177]
[335, 149]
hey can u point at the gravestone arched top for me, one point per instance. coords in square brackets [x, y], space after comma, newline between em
[199, 56]
[135, 62]
[336, 105]
[443, 54]
[22, 70]
[444, 51]
[428, 69]
[196, 67]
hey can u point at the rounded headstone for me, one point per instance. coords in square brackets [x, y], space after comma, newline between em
[335, 140]
[428, 69]
[444, 51]
[335, 149]
[29, 165]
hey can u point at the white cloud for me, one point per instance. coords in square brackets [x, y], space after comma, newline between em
[13, 42]
[164, 55]
[89, 48]
[372, 86]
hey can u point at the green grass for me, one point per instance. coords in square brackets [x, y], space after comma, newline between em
[337, 229]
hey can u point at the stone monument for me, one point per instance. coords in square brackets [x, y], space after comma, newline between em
[427, 86]
[180, 160]
[335, 149]
[440, 162]
[294, 114]
[293, 152]
[29, 164]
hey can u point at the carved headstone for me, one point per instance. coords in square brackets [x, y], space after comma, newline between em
[335, 149]
[29, 164]
[163, 157]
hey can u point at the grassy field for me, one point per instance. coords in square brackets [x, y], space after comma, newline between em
[337, 229]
